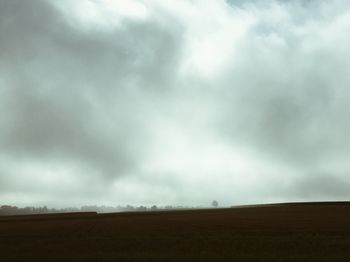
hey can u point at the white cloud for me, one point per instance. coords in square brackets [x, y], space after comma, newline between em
[102, 14]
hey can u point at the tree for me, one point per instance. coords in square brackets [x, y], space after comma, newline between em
[215, 203]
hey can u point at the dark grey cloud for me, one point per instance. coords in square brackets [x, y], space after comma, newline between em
[77, 95]
[322, 186]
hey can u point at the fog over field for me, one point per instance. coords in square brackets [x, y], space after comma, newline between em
[174, 102]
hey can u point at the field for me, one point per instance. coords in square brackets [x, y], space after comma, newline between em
[287, 232]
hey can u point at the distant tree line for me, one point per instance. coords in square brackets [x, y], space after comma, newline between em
[6, 210]
[13, 210]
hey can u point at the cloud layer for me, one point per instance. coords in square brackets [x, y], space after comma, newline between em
[142, 102]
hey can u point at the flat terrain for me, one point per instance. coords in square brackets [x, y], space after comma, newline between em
[288, 232]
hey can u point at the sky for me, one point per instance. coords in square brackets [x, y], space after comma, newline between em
[142, 102]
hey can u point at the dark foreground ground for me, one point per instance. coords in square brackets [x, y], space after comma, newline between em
[292, 232]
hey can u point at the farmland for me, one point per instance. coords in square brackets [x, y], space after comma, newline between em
[286, 232]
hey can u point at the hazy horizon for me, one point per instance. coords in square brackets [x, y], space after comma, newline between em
[116, 102]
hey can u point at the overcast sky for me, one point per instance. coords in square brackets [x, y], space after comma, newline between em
[174, 102]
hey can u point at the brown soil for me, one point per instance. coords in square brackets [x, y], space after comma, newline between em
[289, 232]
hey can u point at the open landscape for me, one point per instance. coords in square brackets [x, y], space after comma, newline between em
[174, 130]
[279, 232]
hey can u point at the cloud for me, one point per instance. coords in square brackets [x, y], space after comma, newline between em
[68, 93]
[289, 82]
[323, 186]
[147, 102]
